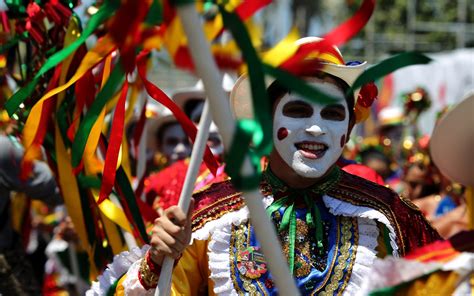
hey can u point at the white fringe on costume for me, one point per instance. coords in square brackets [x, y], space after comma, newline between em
[121, 264]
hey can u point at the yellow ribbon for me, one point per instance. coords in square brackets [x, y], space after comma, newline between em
[94, 56]
[283, 50]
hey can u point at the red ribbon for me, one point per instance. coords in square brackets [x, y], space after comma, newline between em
[187, 125]
[125, 30]
[247, 8]
[338, 36]
[113, 149]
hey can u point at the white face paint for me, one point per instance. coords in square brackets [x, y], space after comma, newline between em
[307, 135]
[175, 145]
[215, 140]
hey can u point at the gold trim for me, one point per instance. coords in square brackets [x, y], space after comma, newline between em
[149, 278]
[216, 202]
[348, 275]
[331, 267]
[341, 261]
[231, 259]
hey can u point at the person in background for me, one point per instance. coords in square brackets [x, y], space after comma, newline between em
[163, 188]
[16, 272]
[171, 142]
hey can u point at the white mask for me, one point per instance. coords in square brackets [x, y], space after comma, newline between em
[310, 137]
[215, 140]
[175, 144]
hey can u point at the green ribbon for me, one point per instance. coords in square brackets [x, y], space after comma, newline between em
[123, 184]
[106, 11]
[388, 66]
[181, 2]
[313, 215]
[85, 127]
[155, 14]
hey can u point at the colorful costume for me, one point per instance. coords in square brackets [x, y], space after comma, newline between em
[331, 234]
[163, 188]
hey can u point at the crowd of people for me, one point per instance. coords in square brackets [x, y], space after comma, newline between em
[316, 188]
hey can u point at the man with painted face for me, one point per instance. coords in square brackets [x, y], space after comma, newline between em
[332, 225]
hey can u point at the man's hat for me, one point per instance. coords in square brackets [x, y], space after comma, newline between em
[182, 96]
[158, 117]
[332, 63]
[452, 142]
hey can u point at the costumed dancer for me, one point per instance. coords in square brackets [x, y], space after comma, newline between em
[332, 225]
[164, 187]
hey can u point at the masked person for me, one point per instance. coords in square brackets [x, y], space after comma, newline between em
[163, 188]
[171, 140]
[331, 224]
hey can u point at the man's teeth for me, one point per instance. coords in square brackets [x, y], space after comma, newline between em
[311, 146]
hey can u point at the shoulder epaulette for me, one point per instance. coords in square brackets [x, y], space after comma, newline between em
[411, 227]
[215, 201]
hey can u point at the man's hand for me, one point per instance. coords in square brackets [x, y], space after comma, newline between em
[171, 233]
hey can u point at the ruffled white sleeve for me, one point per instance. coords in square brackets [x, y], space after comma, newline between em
[126, 262]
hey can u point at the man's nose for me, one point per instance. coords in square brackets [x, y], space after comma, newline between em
[315, 130]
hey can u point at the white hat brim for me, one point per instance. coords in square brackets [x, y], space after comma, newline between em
[154, 124]
[452, 142]
[180, 98]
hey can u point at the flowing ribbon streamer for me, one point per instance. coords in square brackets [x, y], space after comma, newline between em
[90, 159]
[125, 27]
[71, 196]
[187, 125]
[104, 13]
[84, 90]
[246, 128]
[37, 122]
[338, 36]
[94, 113]
[113, 149]
[33, 138]
[90, 60]
[388, 66]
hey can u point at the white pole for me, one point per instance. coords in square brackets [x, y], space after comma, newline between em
[164, 282]
[209, 73]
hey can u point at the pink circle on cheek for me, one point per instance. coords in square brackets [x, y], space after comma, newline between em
[343, 140]
[282, 133]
